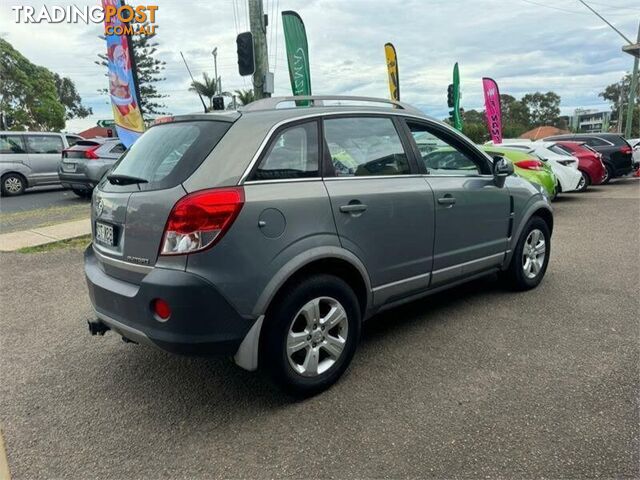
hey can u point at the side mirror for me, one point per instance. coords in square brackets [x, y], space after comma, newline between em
[502, 168]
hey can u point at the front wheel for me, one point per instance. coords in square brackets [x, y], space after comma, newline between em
[530, 257]
[311, 335]
[82, 193]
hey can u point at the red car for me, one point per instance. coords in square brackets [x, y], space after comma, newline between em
[589, 161]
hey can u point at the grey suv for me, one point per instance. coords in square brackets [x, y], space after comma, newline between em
[270, 234]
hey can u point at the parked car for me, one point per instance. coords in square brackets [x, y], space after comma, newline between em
[564, 166]
[527, 165]
[616, 152]
[589, 161]
[635, 145]
[84, 164]
[241, 233]
[29, 159]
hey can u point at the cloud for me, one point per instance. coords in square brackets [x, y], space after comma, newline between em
[525, 47]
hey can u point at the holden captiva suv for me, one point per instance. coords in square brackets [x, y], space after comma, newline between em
[270, 234]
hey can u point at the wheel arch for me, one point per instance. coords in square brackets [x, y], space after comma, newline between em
[538, 208]
[16, 172]
[326, 260]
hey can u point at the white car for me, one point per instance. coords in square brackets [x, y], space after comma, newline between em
[564, 166]
[635, 144]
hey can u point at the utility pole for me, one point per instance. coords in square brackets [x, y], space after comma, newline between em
[258, 25]
[214, 52]
[635, 51]
[632, 49]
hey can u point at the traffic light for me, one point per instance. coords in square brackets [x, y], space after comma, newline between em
[218, 103]
[450, 99]
[452, 117]
[246, 64]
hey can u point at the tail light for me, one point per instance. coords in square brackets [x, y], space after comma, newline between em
[530, 164]
[199, 220]
[91, 154]
[626, 149]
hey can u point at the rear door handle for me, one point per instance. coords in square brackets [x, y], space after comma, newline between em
[353, 208]
[447, 200]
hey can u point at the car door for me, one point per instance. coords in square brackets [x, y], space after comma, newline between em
[383, 210]
[471, 213]
[45, 153]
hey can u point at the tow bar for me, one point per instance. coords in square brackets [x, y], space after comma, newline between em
[96, 327]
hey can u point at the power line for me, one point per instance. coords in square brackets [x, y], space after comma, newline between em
[607, 22]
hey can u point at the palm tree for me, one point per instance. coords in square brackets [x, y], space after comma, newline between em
[207, 88]
[245, 97]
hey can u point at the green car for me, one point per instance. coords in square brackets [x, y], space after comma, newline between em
[527, 165]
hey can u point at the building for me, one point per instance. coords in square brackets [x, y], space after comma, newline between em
[543, 132]
[590, 121]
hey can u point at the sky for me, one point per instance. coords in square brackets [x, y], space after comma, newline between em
[525, 45]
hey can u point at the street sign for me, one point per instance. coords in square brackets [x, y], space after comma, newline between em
[106, 123]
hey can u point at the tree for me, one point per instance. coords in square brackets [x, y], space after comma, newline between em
[617, 94]
[149, 71]
[516, 118]
[208, 88]
[28, 95]
[70, 99]
[544, 108]
[245, 97]
[474, 126]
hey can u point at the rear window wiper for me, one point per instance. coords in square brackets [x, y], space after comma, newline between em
[116, 179]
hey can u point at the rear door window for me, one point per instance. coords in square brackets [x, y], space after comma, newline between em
[72, 140]
[596, 142]
[365, 146]
[12, 144]
[44, 144]
[167, 154]
[293, 153]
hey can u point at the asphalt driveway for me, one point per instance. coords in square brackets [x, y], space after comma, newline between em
[476, 382]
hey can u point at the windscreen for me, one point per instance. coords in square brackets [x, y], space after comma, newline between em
[168, 154]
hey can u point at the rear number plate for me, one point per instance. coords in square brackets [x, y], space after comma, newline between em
[104, 234]
[68, 167]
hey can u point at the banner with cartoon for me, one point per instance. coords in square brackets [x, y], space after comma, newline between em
[123, 89]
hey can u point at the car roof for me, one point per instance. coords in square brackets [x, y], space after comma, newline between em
[10, 132]
[270, 110]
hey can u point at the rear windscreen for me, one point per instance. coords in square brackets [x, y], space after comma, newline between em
[168, 154]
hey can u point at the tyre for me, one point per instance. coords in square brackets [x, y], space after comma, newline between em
[583, 183]
[13, 184]
[530, 257]
[608, 174]
[82, 193]
[311, 335]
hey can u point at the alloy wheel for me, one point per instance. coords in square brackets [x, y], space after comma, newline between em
[533, 253]
[317, 336]
[13, 185]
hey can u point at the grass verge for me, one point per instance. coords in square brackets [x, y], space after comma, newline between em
[77, 243]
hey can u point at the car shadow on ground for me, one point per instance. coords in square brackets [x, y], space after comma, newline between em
[168, 384]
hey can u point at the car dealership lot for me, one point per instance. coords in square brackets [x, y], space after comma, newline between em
[473, 382]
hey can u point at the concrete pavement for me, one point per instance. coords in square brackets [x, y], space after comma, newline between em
[10, 242]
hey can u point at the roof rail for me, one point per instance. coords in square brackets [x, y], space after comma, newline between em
[272, 103]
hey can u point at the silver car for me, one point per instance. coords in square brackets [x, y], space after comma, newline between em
[270, 234]
[85, 163]
[29, 159]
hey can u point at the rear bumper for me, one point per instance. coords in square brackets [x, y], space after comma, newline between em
[86, 176]
[201, 323]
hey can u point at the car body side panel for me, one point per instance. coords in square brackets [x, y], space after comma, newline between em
[278, 222]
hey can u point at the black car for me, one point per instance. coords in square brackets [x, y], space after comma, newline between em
[617, 154]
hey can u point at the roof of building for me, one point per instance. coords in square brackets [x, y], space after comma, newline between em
[98, 132]
[543, 132]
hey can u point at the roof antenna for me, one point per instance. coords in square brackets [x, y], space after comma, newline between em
[204, 105]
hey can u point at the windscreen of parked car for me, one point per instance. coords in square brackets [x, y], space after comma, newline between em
[167, 154]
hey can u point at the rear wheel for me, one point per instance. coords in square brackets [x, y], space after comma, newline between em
[583, 183]
[82, 193]
[608, 174]
[13, 184]
[311, 335]
[530, 257]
